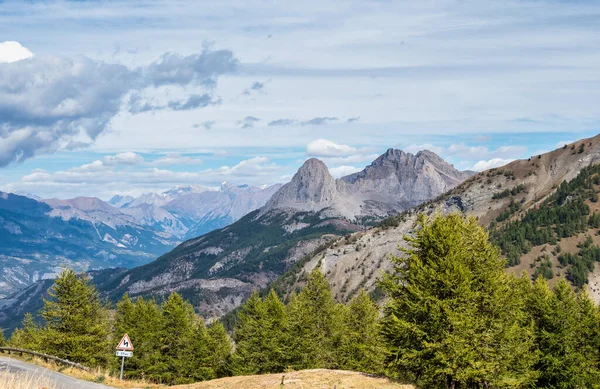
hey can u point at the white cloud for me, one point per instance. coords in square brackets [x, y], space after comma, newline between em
[257, 166]
[11, 51]
[176, 159]
[343, 170]
[127, 158]
[492, 163]
[326, 148]
[413, 149]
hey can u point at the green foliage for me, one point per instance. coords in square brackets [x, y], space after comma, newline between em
[508, 192]
[362, 347]
[28, 336]
[2, 338]
[315, 325]
[563, 214]
[454, 318]
[567, 335]
[260, 335]
[544, 270]
[77, 326]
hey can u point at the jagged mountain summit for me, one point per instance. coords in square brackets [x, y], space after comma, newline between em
[394, 182]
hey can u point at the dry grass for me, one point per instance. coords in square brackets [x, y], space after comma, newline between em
[97, 375]
[305, 379]
[10, 380]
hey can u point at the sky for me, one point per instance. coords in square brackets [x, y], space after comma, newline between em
[99, 98]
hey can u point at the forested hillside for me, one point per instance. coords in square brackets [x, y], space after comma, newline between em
[453, 318]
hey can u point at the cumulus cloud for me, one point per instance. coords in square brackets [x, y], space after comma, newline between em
[127, 158]
[343, 170]
[466, 152]
[326, 148]
[171, 159]
[11, 51]
[51, 103]
[413, 149]
[492, 163]
[248, 122]
[257, 166]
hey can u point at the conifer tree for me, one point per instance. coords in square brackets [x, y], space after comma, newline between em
[77, 326]
[2, 338]
[454, 318]
[142, 320]
[315, 325]
[567, 336]
[362, 347]
[259, 336]
[220, 347]
[27, 337]
[179, 323]
[203, 359]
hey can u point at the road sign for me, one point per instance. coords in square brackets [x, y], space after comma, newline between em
[124, 349]
[125, 344]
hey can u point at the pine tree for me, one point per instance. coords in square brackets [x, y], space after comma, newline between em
[27, 337]
[179, 323]
[2, 338]
[315, 325]
[142, 320]
[362, 347]
[220, 347]
[567, 336]
[259, 336]
[454, 318]
[77, 326]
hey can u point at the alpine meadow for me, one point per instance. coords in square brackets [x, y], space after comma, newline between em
[276, 195]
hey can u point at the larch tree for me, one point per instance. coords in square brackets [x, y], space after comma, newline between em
[454, 318]
[77, 326]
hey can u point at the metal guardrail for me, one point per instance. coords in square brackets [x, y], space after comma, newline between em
[46, 357]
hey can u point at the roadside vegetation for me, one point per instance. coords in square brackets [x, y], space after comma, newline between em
[453, 319]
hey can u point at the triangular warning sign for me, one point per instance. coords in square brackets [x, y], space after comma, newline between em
[125, 344]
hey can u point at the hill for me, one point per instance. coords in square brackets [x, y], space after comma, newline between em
[304, 379]
[528, 206]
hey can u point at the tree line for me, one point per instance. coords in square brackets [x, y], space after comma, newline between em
[453, 318]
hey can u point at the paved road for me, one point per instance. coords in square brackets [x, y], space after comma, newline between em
[60, 380]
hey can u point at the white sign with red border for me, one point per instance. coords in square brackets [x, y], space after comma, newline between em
[125, 344]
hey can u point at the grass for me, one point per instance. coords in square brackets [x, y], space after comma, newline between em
[10, 380]
[304, 379]
[100, 376]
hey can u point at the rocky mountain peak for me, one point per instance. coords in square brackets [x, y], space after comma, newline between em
[311, 189]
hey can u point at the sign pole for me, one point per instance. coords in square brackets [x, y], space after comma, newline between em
[122, 362]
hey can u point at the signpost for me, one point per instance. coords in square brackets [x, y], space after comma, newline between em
[124, 349]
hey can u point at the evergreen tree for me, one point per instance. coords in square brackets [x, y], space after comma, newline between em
[27, 337]
[142, 320]
[362, 347]
[77, 326]
[315, 325]
[2, 338]
[567, 334]
[179, 323]
[259, 336]
[220, 347]
[203, 358]
[454, 318]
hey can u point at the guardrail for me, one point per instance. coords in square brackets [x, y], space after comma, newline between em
[46, 357]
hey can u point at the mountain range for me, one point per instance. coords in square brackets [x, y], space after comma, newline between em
[40, 236]
[217, 270]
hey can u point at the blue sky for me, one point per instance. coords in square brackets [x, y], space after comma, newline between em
[106, 97]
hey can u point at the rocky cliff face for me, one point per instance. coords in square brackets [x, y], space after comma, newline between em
[394, 182]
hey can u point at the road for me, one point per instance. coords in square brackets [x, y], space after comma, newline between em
[60, 380]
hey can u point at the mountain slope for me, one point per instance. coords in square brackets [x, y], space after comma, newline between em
[38, 239]
[497, 197]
